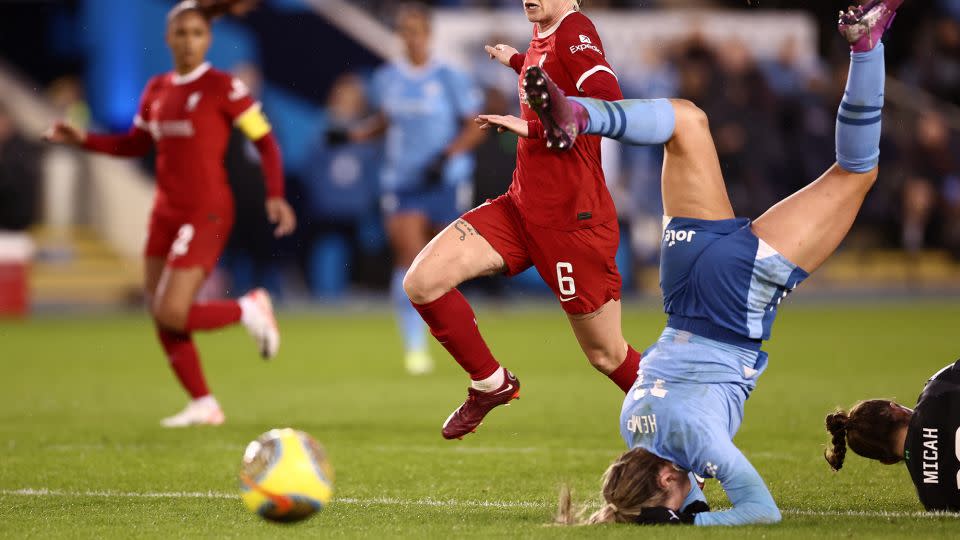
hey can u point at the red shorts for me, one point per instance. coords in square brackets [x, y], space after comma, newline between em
[190, 240]
[579, 266]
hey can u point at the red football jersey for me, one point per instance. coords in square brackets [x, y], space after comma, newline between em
[190, 118]
[563, 190]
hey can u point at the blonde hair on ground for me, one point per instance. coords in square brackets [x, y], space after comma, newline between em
[629, 486]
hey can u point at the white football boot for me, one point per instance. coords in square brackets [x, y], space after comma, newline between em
[257, 316]
[203, 411]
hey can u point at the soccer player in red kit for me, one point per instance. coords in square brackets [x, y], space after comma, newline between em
[188, 115]
[557, 216]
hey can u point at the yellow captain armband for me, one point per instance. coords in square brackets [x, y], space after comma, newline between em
[253, 123]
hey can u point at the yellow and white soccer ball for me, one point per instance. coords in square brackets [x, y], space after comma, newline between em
[285, 476]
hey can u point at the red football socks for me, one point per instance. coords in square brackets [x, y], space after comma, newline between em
[453, 323]
[625, 375]
[213, 315]
[185, 362]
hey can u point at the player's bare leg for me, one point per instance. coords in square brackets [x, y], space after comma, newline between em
[174, 308]
[601, 336]
[808, 226]
[174, 295]
[408, 233]
[177, 316]
[173, 289]
[692, 182]
[459, 253]
[184, 360]
[152, 271]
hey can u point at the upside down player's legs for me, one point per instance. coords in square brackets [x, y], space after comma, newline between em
[808, 226]
[692, 182]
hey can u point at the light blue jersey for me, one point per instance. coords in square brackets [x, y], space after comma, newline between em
[425, 107]
[689, 417]
[721, 287]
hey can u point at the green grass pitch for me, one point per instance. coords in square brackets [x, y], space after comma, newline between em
[82, 453]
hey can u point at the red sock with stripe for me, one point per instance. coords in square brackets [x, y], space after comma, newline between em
[185, 362]
[453, 323]
[625, 375]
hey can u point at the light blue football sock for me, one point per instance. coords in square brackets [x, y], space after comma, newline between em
[859, 118]
[412, 328]
[632, 121]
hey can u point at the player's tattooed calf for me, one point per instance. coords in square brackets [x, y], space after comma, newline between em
[464, 229]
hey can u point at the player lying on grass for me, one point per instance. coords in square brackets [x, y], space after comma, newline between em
[722, 279]
[927, 438]
[186, 116]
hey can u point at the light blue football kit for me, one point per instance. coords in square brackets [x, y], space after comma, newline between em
[722, 286]
[425, 109]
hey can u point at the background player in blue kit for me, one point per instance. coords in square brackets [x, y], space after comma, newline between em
[426, 111]
[722, 280]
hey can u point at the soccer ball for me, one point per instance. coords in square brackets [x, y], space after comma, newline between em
[285, 476]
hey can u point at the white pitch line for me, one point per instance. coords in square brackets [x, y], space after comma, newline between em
[373, 501]
[43, 492]
[875, 514]
[388, 501]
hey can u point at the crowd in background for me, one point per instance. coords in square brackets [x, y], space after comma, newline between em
[773, 121]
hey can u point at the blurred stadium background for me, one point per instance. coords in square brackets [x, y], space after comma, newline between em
[769, 75]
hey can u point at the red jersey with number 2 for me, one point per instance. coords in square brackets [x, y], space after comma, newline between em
[563, 190]
[190, 118]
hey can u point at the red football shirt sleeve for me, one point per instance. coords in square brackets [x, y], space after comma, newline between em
[236, 99]
[243, 111]
[136, 142]
[581, 53]
[602, 85]
[246, 114]
[271, 164]
[517, 61]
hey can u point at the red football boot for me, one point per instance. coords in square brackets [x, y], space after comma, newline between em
[468, 417]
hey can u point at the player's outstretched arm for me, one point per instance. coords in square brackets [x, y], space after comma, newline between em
[135, 143]
[506, 55]
[752, 502]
